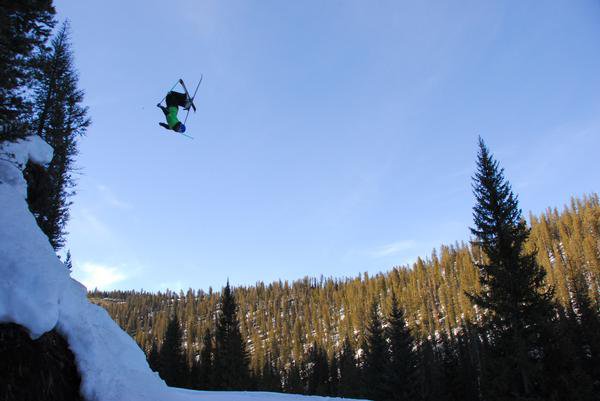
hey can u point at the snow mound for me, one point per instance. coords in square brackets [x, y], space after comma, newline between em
[14, 157]
[37, 292]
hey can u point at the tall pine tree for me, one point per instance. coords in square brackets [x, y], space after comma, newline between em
[401, 373]
[231, 364]
[517, 303]
[172, 366]
[375, 358]
[24, 28]
[205, 370]
[59, 119]
[349, 381]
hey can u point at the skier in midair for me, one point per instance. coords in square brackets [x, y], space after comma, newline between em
[174, 100]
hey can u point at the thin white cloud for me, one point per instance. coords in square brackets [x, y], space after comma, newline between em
[111, 199]
[96, 275]
[92, 223]
[394, 248]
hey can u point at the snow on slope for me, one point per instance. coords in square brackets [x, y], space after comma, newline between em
[37, 292]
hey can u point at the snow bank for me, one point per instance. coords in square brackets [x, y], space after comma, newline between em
[14, 157]
[32, 276]
[37, 292]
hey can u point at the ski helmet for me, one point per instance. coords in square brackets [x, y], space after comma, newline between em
[181, 128]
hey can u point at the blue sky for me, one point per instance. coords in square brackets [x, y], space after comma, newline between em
[332, 137]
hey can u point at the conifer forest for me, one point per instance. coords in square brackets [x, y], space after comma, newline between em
[511, 315]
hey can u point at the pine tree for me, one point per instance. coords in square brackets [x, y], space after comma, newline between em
[205, 371]
[24, 29]
[270, 379]
[349, 373]
[172, 366]
[513, 285]
[375, 358]
[59, 119]
[293, 380]
[585, 324]
[231, 364]
[334, 376]
[317, 371]
[69, 261]
[152, 358]
[401, 372]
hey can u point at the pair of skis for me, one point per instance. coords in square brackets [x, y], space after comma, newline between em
[190, 98]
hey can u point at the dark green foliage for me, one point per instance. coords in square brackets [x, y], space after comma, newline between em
[24, 28]
[317, 371]
[59, 118]
[432, 383]
[334, 376]
[153, 358]
[375, 359]
[231, 363]
[293, 381]
[401, 373]
[172, 367]
[585, 328]
[513, 287]
[349, 382]
[33, 370]
[69, 261]
[205, 368]
[270, 377]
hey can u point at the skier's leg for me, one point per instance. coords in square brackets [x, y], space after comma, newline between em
[164, 110]
[176, 99]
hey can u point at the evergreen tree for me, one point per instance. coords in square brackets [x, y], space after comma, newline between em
[513, 286]
[467, 347]
[401, 372]
[349, 373]
[432, 376]
[587, 328]
[59, 119]
[293, 380]
[24, 28]
[69, 261]
[205, 371]
[375, 359]
[270, 379]
[152, 358]
[317, 371]
[231, 364]
[172, 365]
[194, 383]
[334, 376]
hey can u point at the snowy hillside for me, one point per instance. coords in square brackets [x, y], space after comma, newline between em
[37, 292]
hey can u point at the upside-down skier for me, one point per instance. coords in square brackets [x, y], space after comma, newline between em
[174, 100]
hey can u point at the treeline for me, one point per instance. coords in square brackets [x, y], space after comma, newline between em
[513, 315]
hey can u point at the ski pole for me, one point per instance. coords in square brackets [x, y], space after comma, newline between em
[173, 87]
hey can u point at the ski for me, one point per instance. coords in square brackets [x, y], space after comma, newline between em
[187, 94]
[192, 98]
[196, 90]
[181, 133]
